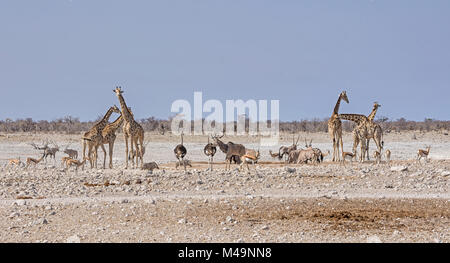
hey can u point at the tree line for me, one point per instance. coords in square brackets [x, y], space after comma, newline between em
[72, 125]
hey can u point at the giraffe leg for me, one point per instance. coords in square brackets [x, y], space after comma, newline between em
[90, 155]
[132, 150]
[334, 150]
[355, 143]
[126, 150]
[363, 150]
[104, 155]
[141, 141]
[111, 148]
[342, 146]
[137, 152]
[96, 156]
[338, 158]
[84, 149]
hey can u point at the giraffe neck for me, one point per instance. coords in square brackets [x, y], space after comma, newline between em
[336, 107]
[372, 114]
[125, 112]
[358, 118]
[116, 124]
[106, 117]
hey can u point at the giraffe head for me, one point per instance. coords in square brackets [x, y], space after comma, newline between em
[376, 105]
[344, 96]
[115, 109]
[118, 90]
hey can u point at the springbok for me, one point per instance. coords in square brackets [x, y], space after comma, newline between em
[32, 161]
[423, 153]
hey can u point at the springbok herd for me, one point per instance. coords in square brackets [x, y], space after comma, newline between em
[104, 132]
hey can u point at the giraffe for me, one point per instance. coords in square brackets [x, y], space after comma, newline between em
[131, 129]
[360, 132]
[365, 130]
[335, 127]
[94, 135]
[375, 131]
[109, 137]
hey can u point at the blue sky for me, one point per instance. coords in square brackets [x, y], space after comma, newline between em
[60, 58]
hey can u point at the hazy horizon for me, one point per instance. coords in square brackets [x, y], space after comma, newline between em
[64, 58]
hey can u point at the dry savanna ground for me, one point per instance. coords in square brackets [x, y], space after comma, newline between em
[401, 201]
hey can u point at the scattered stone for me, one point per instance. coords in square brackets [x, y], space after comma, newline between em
[14, 214]
[445, 173]
[182, 221]
[365, 170]
[41, 221]
[399, 168]
[21, 202]
[290, 170]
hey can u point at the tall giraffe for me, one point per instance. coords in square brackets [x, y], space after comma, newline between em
[365, 130]
[335, 127]
[131, 129]
[94, 135]
[109, 137]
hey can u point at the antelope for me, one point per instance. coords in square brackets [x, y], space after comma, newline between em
[231, 149]
[320, 156]
[346, 155]
[274, 155]
[64, 160]
[249, 156]
[423, 153]
[377, 157]
[72, 153]
[307, 155]
[302, 156]
[285, 150]
[224, 148]
[33, 161]
[43, 148]
[388, 155]
[180, 151]
[16, 162]
[210, 150]
[150, 166]
[51, 152]
[76, 163]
